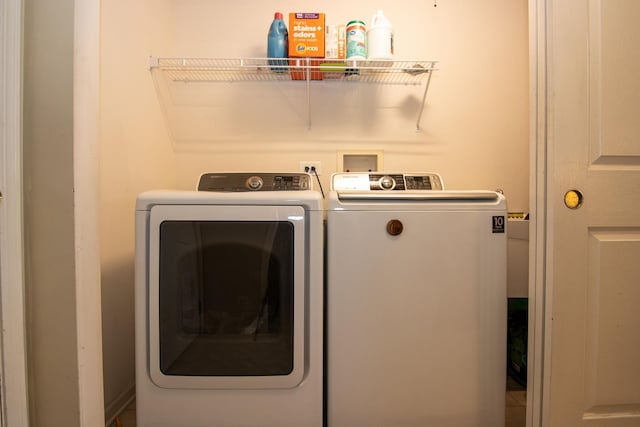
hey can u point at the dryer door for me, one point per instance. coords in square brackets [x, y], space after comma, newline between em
[226, 296]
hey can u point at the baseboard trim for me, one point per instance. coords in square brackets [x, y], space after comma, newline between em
[119, 404]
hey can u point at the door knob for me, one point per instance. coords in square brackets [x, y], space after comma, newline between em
[573, 199]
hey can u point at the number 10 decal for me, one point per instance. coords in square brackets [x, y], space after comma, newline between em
[498, 224]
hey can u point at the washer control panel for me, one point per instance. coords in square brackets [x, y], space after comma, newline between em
[246, 181]
[369, 181]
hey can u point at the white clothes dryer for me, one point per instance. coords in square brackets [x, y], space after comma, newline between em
[416, 303]
[229, 303]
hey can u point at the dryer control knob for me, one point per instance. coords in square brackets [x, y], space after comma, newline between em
[254, 183]
[387, 182]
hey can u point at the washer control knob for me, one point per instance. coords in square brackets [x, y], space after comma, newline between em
[395, 227]
[387, 182]
[254, 183]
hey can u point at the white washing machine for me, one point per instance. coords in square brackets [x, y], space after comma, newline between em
[416, 303]
[229, 300]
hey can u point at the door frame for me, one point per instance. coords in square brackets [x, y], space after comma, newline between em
[541, 219]
[15, 410]
[86, 180]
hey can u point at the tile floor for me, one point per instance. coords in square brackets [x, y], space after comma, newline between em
[516, 404]
[515, 410]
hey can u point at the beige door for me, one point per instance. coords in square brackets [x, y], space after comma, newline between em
[593, 252]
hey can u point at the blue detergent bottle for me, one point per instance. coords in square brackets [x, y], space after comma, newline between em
[278, 43]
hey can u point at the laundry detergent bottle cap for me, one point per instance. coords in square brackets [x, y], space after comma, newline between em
[380, 37]
[278, 44]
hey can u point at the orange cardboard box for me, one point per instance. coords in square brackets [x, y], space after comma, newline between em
[306, 40]
[298, 68]
[306, 35]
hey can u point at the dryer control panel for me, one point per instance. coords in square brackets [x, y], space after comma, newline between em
[247, 181]
[368, 181]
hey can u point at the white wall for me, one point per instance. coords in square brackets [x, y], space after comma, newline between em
[135, 155]
[474, 127]
[475, 120]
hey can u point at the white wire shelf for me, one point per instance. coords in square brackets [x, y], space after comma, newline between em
[170, 73]
[265, 69]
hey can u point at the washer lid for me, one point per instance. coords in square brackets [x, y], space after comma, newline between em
[421, 196]
[254, 181]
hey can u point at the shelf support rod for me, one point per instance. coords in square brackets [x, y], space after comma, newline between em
[424, 97]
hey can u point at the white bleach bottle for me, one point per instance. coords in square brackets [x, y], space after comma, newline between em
[380, 37]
